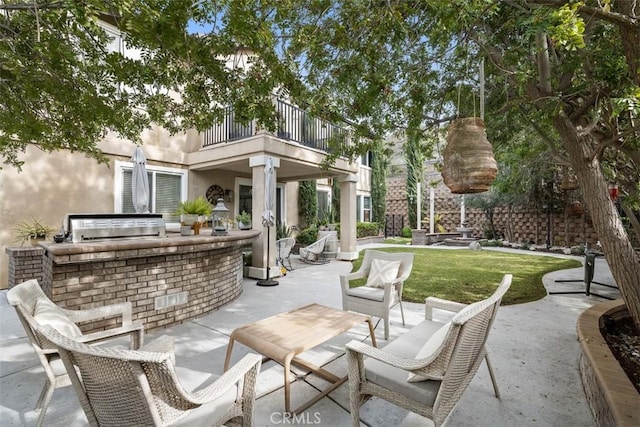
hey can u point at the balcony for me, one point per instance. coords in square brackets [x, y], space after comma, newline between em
[295, 125]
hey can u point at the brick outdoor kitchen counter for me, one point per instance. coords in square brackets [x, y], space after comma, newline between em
[167, 279]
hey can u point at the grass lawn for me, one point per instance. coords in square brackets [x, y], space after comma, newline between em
[469, 276]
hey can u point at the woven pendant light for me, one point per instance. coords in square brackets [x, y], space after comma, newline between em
[468, 162]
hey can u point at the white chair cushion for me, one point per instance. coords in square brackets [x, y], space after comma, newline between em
[367, 292]
[47, 313]
[382, 271]
[430, 348]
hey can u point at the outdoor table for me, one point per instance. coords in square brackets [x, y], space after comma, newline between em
[284, 336]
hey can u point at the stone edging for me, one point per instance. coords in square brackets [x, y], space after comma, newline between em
[611, 395]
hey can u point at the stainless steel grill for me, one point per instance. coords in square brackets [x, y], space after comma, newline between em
[92, 227]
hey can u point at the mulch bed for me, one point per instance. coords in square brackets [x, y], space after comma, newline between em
[624, 342]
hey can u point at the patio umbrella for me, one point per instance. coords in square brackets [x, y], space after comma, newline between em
[268, 217]
[139, 182]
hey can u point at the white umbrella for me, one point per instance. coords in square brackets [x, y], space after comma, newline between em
[140, 182]
[268, 218]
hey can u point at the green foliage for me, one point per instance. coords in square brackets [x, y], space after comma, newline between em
[414, 157]
[244, 218]
[283, 231]
[335, 199]
[379, 173]
[307, 236]
[197, 206]
[469, 276]
[406, 232]
[308, 202]
[368, 229]
[33, 229]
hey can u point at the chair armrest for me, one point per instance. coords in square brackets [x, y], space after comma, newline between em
[404, 363]
[136, 330]
[246, 369]
[442, 304]
[162, 344]
[122, 309]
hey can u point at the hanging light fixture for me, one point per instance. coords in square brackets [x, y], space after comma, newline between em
[468, 162]
[468, 165]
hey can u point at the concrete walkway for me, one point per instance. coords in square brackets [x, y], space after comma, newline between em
[533, 348]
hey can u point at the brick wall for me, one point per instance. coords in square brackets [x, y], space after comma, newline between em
[208, 275]
[527, 224]
[25, 263]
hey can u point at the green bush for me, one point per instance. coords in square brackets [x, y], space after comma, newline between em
[307, 236]
[406, 232]
[367, 229]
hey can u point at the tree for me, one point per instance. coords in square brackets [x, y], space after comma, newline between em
[308, 202]
[415, 160]
[568, 71]
[379, 173]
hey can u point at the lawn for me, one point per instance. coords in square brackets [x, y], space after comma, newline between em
[468, 276]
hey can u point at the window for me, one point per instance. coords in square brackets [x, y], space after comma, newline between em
[324, 206]
[167, 188]
[366, 159]
[366, 208]
[363, 208]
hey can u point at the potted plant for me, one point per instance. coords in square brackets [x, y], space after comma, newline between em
[193, 212]
[244, 220]
[33, 231]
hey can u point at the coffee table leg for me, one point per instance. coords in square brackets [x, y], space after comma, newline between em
[228, 356]
[287, 385]
[373, 335]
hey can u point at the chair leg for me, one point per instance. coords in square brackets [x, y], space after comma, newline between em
[386, 327]
[493, 378]
[402, 313]
[43, 401]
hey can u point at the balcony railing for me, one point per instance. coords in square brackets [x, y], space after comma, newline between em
[294, 124]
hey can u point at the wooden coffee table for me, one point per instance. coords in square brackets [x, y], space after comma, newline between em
[282, 337]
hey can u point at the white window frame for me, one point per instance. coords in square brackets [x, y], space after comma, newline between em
[360, 213]
[122, 166]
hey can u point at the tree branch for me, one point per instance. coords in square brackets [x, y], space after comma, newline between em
[31, 6]
[591, 12]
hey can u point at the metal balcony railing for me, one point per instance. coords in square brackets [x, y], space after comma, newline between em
[294, 124]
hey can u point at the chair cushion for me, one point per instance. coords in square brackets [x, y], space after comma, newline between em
[209, 413]
[382, 271]
[367, 292]
[395, 379]
[47, 313]
[430, 348]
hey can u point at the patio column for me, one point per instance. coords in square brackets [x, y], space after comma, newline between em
[260, 258]
[348, 243]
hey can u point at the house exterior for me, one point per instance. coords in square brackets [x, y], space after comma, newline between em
[226, 161]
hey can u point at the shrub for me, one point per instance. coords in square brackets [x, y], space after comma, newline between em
[406, 232]
[307, 236]
[367, 229]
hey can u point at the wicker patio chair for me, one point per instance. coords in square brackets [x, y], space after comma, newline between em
[118, 387]
[283, 251]
[445, 362]
[314, 253]
[33, 305]
[378, 298]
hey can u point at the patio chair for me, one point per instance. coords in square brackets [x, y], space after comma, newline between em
[385, 273]
[283, 251]
[32, 306]
[314, 253]
[426, 370]
[118, 387]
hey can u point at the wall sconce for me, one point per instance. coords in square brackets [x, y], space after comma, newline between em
[228, 195]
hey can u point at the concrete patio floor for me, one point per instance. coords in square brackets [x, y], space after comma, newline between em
[533, 347]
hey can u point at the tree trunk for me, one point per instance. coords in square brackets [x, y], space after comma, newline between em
[623, 261]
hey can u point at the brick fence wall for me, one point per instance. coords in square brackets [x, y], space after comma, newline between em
[24, 263]
[527, 224]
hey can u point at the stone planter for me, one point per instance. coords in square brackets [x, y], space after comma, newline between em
[613, 399]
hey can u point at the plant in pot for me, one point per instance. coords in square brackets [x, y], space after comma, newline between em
[194, 212]
[33, 231]
[244, 220]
